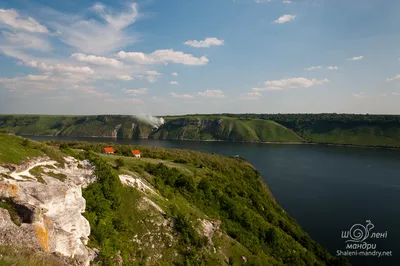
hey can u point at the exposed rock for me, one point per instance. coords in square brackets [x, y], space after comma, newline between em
[51, 213]
[209, 228]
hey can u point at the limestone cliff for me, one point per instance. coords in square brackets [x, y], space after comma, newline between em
[49, 207]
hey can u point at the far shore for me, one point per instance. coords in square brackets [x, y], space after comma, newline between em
[251, 142]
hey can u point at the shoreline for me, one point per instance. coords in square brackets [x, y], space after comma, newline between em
[249, 142]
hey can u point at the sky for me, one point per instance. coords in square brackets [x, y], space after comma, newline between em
[166, 57]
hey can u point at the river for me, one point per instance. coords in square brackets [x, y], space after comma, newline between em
[326, 189]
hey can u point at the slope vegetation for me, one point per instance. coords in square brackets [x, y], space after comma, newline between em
[224, 128]
[76, 126]
[221, 209]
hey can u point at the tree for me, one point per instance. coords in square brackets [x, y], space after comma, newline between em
[119, 163]
[25, 142]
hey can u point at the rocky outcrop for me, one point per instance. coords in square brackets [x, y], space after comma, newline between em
[50, 212]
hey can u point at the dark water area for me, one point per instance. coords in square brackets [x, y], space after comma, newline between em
[326, 189]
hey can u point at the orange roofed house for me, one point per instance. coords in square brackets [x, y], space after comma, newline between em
[136, 153]
[109, 150]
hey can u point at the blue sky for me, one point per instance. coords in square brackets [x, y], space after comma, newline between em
[179, 56]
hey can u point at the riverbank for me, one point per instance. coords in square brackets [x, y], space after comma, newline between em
[113, 139]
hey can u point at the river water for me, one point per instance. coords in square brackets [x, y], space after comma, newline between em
[326, 189]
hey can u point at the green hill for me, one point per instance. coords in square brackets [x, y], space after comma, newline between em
[225, 128]
[76, 126]
[183, 208]
[343, 129]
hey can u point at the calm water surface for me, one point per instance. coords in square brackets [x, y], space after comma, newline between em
[326, 189]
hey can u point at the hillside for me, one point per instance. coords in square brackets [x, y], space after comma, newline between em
[225, 128]
[171, 207]
[76, 126]
[343, 129]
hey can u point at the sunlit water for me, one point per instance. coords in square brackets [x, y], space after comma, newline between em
[326, 189]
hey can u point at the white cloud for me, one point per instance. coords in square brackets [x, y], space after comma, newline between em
[207, 42]
[181, 96]
[125, 77]
[92, 36]
[394, 78]
[136, 91]
[97, 60]
[37, 77]
[26, 41]
[313, 68]
[292, 83]
[163, 57]
[11, 18]
[60, 68]
[270, 88]
[153, 73]
[174, 74]
[359, 95]
[173, 82]
[212, 94]
[255, 95]
[396, 93]
[284, 19]
[287, 2]
[356, 58]
[332, 67]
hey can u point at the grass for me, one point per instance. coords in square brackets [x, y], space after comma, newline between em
[14, 151]
[22, 256]
[60, 176]
[7, 205]
[37, 172]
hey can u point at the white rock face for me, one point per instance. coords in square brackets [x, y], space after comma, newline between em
[56, 208]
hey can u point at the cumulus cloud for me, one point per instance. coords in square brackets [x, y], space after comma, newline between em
[284, 19]
[207, 42]
[136, 91]
[212, 94]
[396, 93]
[60, 68]
[97, 60]
[332, 67]
[174, 74]
[292, 83]
[11, 18]
[394, 78]
[98, 37]
[181, 96]
[357, 58]
[125, 77]
[173, 82]
[287, 2]
[163, 57]
[313, 68]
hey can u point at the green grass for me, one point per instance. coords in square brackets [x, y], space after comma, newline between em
[7, 205]
[22, 256]
[37, 173]
[60, 176]
[14, 151]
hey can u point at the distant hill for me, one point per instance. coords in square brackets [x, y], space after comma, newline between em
[343, 129]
